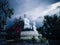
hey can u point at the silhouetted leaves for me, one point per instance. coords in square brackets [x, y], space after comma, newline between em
[5, 12]
[52, 26]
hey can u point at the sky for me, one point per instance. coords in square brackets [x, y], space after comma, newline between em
[32, 8]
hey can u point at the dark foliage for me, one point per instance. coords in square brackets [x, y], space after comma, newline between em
[40, 30]
[5, 12]
[52, 26]
[15, 30]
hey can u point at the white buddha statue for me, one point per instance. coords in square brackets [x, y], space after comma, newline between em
[26, 23]
[28, 34]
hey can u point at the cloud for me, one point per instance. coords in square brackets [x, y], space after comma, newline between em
[39, 11]
[36, 12]
[51, 8]
[33, 8]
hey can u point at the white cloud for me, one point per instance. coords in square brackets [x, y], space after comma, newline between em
[54, 6]
[36, 12]
[51, 8]
[32, 8]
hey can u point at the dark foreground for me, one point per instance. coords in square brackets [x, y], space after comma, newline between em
[25, 43]
[22, 43]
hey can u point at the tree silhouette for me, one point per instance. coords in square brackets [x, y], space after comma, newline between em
[16, 29]
[40, 30]
[52, 26]
[5, 12]
[19, 25]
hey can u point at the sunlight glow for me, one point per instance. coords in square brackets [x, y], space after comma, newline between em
[36, 12]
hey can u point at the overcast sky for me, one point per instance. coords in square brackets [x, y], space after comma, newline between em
[32, 8]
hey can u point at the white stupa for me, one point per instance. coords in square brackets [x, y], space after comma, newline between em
[29, 30]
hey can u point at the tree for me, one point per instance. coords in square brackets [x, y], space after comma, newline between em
[40, 29]
[19, 23]
[5, 12]
[15, 30]
[52, 26]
